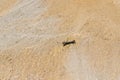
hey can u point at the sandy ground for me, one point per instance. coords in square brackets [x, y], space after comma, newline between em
[32, 32]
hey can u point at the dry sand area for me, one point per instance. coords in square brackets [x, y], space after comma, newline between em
[32, 32]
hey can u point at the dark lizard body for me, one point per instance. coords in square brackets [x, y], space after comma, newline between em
[70, 42]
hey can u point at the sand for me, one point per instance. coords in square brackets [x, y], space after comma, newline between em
[32, 32]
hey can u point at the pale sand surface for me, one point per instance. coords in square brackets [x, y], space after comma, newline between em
[32, 32]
